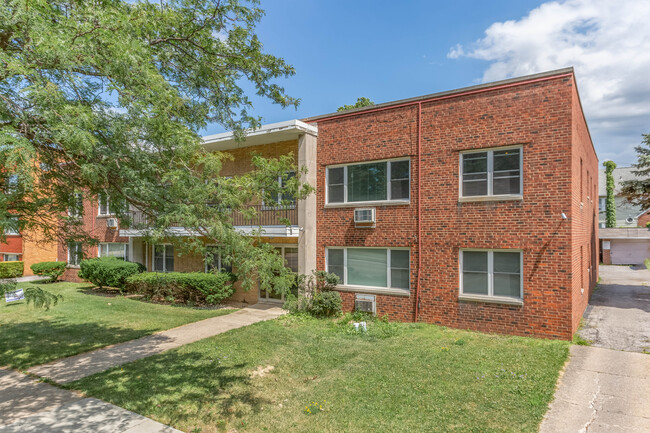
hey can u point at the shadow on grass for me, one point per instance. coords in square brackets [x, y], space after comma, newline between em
[179, 388]
[32, 343]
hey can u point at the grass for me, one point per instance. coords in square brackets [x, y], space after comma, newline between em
[307, 375]
[81, 322]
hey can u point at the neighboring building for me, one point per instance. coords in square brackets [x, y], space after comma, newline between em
[473, 208]
[627, 214]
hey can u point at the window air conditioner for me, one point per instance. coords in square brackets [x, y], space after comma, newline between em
[365, 303]
[365, 217]
[111, 223]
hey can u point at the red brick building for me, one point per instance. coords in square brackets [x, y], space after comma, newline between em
[497, 228]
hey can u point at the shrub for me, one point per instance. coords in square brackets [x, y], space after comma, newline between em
[646, 262]
[316, 296]
[326, 304]
[11, 269]
[647, 225]
[108, 271]
[49, 269]
[190, 287]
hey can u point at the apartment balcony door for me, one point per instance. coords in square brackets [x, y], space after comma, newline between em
[290, 255]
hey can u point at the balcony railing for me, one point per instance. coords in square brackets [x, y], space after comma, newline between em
[253, 216]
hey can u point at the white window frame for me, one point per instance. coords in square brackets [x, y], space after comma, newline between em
[153, 258]
[490, 297]
[108, 206]
[126, 249]
[205, 259]
[278, 199]
[11, 231]
[78, 213]
[344, 283]
[602, 200]
[490, 174]
[79, 255]
[389, 199]
[5, 255]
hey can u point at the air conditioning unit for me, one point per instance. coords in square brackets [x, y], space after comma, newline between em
[111, 223]
[365, 303]
[365, 217]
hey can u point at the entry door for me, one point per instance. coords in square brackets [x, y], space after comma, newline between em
[290, 255]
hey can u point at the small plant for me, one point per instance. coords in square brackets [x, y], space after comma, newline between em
[646, 262]
[315, 407]
[316, 295]
[49, 269]
[647, 225]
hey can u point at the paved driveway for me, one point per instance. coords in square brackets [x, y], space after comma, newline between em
[618, 315]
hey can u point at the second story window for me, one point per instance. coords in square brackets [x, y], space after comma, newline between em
[104, 205]
[369, 182]
[11, 228]
[491, 173]
[76, 207]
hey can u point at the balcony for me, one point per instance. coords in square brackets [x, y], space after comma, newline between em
[282, 221]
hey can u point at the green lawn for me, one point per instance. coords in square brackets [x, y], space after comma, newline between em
[396, 378]
[81, 322]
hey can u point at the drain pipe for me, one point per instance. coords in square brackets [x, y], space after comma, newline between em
[417, 283]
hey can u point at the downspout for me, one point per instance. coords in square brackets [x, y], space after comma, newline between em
[417, 283]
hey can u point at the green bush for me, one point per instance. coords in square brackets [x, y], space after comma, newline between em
[49, 269]
[316, 296]
[187, 288]
[11, 269]
[646, 262]
[108, 271]
[326, 304]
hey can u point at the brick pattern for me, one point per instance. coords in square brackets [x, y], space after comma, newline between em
[643, 220]
[538, 116]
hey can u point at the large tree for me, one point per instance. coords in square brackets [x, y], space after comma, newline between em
[108, 97]
[637, 191]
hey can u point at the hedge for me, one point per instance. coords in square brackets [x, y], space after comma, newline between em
[49, 269]
[11, 269]
[183, 287]
[108, 271]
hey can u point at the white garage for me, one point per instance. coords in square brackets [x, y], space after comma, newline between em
[626, 246]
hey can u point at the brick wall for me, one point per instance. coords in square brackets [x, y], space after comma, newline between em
[643, 220]
[537, 116]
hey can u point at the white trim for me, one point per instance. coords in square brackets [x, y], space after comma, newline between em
[205, 258]
[153, 258]
[371, 289]
[265, 129]
[124, 244]
[4, 257]
[490, 175]
[388, 200]
[490, 271]
[79, 253]
[108, 206]
[81, 210]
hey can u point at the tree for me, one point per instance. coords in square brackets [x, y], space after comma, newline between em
[637, 191]
[610, 204]
[361, 102]
[108, 96]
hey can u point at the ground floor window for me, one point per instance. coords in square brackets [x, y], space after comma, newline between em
[213, 260]
[370, 267]
[493, 273]
[163, 258]
[11, 257]
[75, 253]
[290, 255]
[110, 249]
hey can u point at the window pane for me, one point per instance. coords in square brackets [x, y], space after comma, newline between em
[399, 259]
[367, 182]
[475, 163]
[291, 258]
[507, 262]
[476, 186]
[335, 176]
[335, 193]
[506, 160]
[212, 258]
[507, 285]
[169, 258]
[475, 283]
[159, 257]
[475, 261]
[399, 278]
[506, 185]
[367, 267]
[399, 170]
[335, 263]
[399, 189]
[288, 197]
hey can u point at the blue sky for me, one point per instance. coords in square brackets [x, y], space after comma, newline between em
[388, 50]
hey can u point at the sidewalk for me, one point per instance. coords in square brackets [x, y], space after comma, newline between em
[601, 391]
[76, 367]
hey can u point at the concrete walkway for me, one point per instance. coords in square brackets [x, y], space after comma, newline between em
[27, 406]
[601, 391]
[76, 367]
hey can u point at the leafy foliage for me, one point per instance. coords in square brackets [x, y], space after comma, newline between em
[361, 102]
[49, 269]
[35, 295]
[108, 271]
[11, 269]
[183, 287]
[316, 295]
[610, 204]
[107, 97]
[637, 191]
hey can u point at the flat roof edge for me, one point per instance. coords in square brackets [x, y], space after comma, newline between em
[484, 86]
[269, 128]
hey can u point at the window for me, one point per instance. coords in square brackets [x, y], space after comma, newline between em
[491, 273]
[76, 207]
[119, 250]
[11, 257]
[370, 267]
[163, 258]
[491, 173]
[75, 253]
[601, 204]
[369, 182]
[12, 229]
[213, 260]
[290, 255]
[104, 205]
[12, 184]
[284, 199]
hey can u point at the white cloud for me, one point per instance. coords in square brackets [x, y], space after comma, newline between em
[608, 44]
